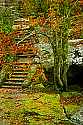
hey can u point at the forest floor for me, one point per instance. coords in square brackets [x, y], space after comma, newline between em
[36, 107]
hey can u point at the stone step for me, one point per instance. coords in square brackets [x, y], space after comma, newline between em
[19, 73]
[20, 66]
[16, 79]
[15, 86]
[9, 83]
[20, 63]
[23, 56]
[19, 76]
[18, 39]
[20, 69]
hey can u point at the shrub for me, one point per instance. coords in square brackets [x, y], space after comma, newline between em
[5, 72]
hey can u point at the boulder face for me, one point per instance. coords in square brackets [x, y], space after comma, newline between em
[76, 55]
[75, 52]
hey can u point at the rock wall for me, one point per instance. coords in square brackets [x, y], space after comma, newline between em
[75, 55]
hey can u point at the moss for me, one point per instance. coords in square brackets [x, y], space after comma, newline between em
[34, 108]
[70, 94]
[71, 109]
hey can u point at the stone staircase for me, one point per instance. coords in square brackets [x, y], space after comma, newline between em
[19, 74]
[20, 68]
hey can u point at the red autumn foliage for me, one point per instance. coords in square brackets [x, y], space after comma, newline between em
[81, 2]
[16, 33]
[42, 21]
[13, 49]
[7, 46]
[39, 73]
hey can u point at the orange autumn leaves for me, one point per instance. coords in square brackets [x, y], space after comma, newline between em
[52, 20]
[39, 74]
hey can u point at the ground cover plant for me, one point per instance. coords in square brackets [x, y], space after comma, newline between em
[19, 106]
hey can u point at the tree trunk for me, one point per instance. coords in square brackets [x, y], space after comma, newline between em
[57, 61]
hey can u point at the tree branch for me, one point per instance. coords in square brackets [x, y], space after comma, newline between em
[71, 9]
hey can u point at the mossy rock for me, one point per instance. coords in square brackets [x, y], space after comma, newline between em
[70, 94]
